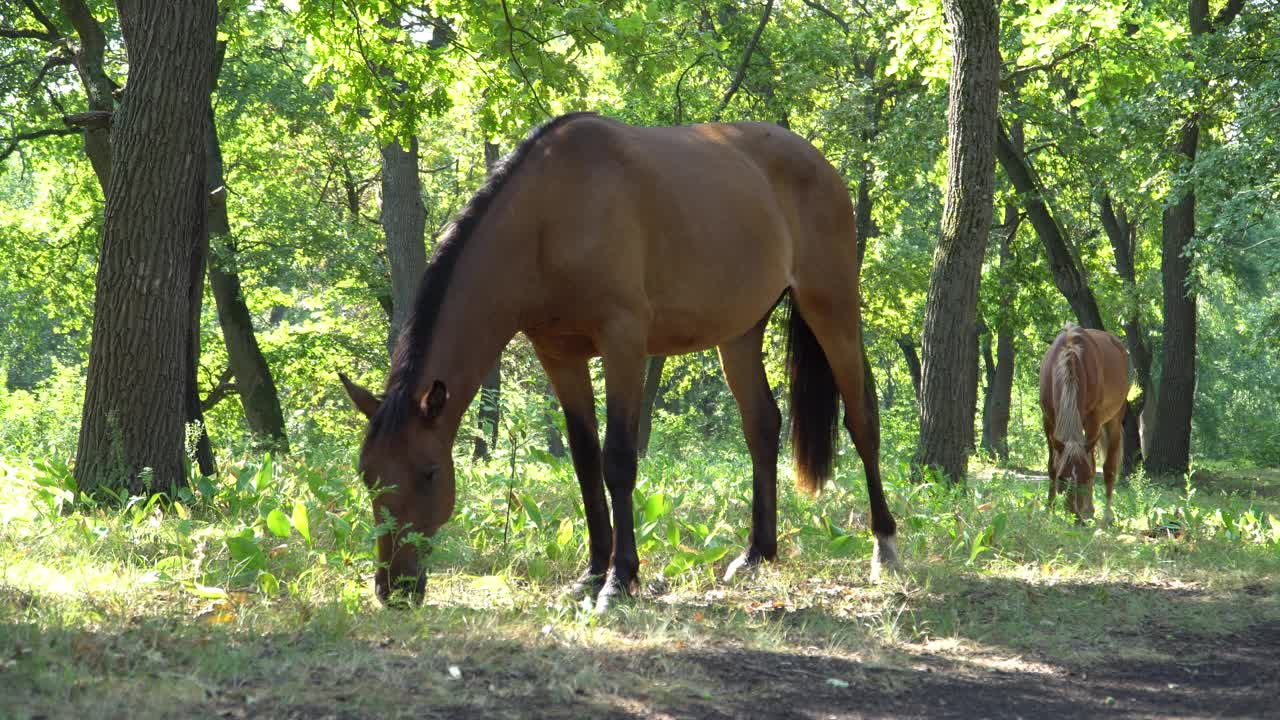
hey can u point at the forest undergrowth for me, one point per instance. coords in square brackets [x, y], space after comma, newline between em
[254, 585]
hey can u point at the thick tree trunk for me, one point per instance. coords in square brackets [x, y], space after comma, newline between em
[1171, 443]
[1067, 273]
[949, 377]
[404, 220]
[1170, 448]
[998, 400]
[1138, 421]
[652, 384]
[491, 387]
[132, 429]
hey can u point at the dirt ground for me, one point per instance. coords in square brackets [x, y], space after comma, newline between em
[1233, 676]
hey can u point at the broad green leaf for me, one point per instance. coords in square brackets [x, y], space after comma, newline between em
[278, 523]
[300, 521]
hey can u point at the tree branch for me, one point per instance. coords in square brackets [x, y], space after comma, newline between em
[742, 65]
[92, 120]
[1052, 63]
[511, 50]
[826, 11]
[219, 392]
[679, 114]
[43, 19]
[20, 137]
[17, 33]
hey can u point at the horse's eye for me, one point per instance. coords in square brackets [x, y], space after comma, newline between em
[427, 478]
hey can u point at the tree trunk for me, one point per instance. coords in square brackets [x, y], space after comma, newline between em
[97, 86]
[866, 229]
[253, 380]
[1138, 421]
[404, 220]
[1067, 273]
[652, 384]
[949, 377]
[195, 303]
[132, 430]
[1171, 442]
[491, 387]
[998, 400]
[1170, 448]
[908, 346]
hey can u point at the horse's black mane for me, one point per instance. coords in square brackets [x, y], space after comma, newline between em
[415, 336]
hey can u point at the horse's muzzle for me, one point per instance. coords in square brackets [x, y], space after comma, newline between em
[406, 591]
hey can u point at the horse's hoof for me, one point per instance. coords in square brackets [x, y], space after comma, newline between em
[750, 559]
[884, 558]
[613, 590]
[588, 583]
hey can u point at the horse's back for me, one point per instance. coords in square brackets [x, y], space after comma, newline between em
[700, 227]
[1105, 364]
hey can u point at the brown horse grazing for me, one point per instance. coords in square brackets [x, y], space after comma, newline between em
[595, 238]
[1084, 383]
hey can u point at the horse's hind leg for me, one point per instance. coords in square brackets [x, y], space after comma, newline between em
[834, 319]
[572, 382]
[761, 422]
[1114, 431]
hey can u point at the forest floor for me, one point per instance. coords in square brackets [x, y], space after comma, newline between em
[1174, 616]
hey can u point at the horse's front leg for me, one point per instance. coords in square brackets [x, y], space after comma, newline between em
[624, 390]
[761, 423]
[571, 380]
[1114, 435]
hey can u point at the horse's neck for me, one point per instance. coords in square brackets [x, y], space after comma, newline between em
[478, 317]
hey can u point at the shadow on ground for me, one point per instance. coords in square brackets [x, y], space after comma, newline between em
[163, 668]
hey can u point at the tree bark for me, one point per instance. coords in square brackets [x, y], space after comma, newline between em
[1067, 273]
[194, 407]
[652, 384]
[97, 86]
[1171, 442]
[908, 346]
[253, 379]
[949, 377]
[1170, 448]
[998, 400]
[1138, 422]
[491, 387]
[404, 220]
[132, 429]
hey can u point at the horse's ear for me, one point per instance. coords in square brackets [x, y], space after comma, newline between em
[364, 400]
[433, 402]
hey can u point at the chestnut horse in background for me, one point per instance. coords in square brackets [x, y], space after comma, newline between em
[595, 238]
[1084, 386]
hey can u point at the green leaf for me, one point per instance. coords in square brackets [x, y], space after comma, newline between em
[278, 523]
[301, 522]
[268, 583]
[262, 479]
[565, 535]
[655, 506]
[244, 551]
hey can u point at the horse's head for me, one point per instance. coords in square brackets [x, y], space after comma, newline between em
[1077, 463]
[408, 468]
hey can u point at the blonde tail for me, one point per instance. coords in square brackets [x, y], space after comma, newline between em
[1068, 425]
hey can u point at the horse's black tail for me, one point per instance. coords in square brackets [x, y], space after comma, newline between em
[815, 404]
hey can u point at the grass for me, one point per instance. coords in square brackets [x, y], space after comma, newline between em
[249, 595]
